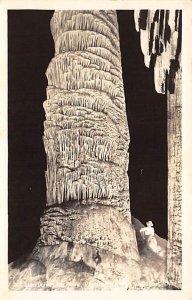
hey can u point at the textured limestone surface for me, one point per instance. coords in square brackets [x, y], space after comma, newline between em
[77, 266]
[86, 135]
[160, 36]
[174, 254]
[87, 240]
[97, 225]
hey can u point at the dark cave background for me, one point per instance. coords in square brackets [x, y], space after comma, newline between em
[30, 48]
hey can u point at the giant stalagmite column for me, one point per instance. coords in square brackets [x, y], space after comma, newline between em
[86, 136]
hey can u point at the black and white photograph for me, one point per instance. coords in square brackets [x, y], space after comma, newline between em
[94, 149]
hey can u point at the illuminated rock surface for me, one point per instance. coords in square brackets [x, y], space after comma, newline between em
[86, 135]
[160, 36]
[87, 238]
[87, 221]
[76, 266]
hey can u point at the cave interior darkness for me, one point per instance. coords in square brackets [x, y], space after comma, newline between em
[30, 48]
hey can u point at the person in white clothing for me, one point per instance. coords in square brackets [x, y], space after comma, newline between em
[147, 231]
[148, 235]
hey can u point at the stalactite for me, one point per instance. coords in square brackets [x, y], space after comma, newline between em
[160, 36]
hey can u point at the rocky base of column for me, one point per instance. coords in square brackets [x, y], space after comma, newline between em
[78, 265]
[100, 226]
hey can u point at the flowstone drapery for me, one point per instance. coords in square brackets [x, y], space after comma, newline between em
[86, 135]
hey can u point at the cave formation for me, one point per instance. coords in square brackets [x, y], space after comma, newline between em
[86, 139]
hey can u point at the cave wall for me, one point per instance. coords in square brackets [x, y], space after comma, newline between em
[160, 38]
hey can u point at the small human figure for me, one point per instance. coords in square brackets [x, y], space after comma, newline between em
[148, 230]
[149, 240]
